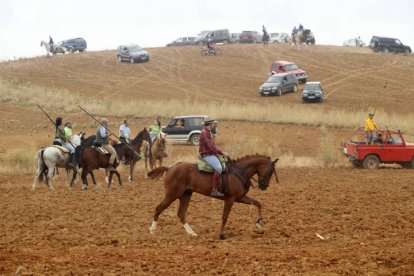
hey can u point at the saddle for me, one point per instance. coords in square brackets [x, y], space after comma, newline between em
[62, 149]
[101, 150]
[203, 166]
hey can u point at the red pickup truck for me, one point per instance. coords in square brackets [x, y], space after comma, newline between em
[387, 146]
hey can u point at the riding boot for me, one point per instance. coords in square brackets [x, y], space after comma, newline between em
[111, 168]
[216, 182]
[71, 159]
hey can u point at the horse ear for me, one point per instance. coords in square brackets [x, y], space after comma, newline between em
[274, 162]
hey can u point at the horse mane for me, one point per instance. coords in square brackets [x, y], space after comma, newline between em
[243, 158]
[140, 135]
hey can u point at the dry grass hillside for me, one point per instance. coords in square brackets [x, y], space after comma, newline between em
[324, 217]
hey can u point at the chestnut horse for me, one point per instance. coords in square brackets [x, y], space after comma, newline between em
[158, 152]
[183, 179]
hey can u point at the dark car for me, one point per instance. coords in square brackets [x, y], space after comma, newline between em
[387, 45]
[277, 84]
[250, 37]
[313, 91]
[183, 41]
[217, 36]
[75, 44]
[132, 53]
[186, 129]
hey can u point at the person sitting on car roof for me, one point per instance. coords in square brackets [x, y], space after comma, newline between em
[370, 126]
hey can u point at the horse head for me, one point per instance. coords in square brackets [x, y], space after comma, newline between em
[265, 172]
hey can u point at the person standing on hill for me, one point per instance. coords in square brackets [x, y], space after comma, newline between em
[370, 127]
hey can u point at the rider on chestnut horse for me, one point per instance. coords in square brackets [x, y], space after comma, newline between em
[209, 151]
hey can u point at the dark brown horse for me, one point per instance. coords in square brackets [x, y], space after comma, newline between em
[183, 179]
[126, 153]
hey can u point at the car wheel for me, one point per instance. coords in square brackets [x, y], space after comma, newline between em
[254, 41]
[279, 92]
[304, 80]
[195, 139]
[119, 58]
[70, 50]
[406, 52]
[356, 164]
[371, 162]
[412, 163]
[385, 50]
[295, 88]
[131, 60]
[80, 51]
[313, 41]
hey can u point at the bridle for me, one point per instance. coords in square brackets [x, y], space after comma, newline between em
[258, 182]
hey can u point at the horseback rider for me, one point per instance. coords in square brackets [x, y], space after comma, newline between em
[209, 151]
[300, 27]
[210, 45]
[155, 129]
[125, 132]
[62, 139]
[294, 32]
[102, 138]
[51, 43]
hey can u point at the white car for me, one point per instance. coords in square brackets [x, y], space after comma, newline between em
[278, 37]
[354, 42]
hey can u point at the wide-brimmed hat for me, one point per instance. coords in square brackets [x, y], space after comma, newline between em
[209, 120]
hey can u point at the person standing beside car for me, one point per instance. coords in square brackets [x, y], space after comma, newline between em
[370, 127]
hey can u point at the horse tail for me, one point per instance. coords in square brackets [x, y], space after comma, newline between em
[157, 172]
[41, 165]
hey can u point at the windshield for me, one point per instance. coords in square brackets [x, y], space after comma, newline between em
[203, 34]
[291, 67]
[274, 79]
[312, 86]
[135, 48]
[274, 35]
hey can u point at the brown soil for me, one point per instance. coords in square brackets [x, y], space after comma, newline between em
[317, 221]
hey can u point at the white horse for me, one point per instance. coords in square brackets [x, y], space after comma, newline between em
[296, 41]
[52, 157]
[52, 49]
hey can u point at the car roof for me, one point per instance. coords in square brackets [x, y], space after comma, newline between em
[189, 116]
[284, 62]
[313, 82]
[284, 74]
[129, 45]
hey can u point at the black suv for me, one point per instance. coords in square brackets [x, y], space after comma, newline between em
[186, 129]
[74, 44]
[387, 45]
[277, 84]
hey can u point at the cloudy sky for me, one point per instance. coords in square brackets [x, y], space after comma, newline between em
[106, 23]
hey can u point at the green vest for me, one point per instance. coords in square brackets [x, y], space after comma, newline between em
[99, 139]
[60, 134]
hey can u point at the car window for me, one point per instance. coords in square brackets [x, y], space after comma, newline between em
[274, 79]
[197, 121]
[394, 139]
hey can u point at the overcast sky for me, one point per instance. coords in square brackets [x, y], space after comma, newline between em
[106, 24]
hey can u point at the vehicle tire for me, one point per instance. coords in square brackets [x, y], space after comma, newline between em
[70, 50]
[217, 52]
[406, 52]
[303, 81]
[371, 162]
[119, 58]
[81, 51]
[254, 41]
[131, 60]
[312, 41]
[295, 88]
[195, 139]
[385, 50]
[279, 92]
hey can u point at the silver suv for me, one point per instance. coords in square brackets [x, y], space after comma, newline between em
[186, 129]
[132, 53]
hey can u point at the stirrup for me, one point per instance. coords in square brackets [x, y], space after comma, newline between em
[216, 193]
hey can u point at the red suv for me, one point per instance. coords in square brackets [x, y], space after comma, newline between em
[282, 66]
[250, 37]
[388, 146]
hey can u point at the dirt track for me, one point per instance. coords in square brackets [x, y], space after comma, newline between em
[365, 217]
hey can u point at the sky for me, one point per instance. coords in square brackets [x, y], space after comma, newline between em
[107, 24]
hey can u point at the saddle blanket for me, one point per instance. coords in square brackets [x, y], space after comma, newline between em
[203, 166]
[62, 149]
[101, 150]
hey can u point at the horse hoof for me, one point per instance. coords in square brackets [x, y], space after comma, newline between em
[223, 237]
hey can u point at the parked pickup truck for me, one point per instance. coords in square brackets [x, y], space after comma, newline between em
[387, 146]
